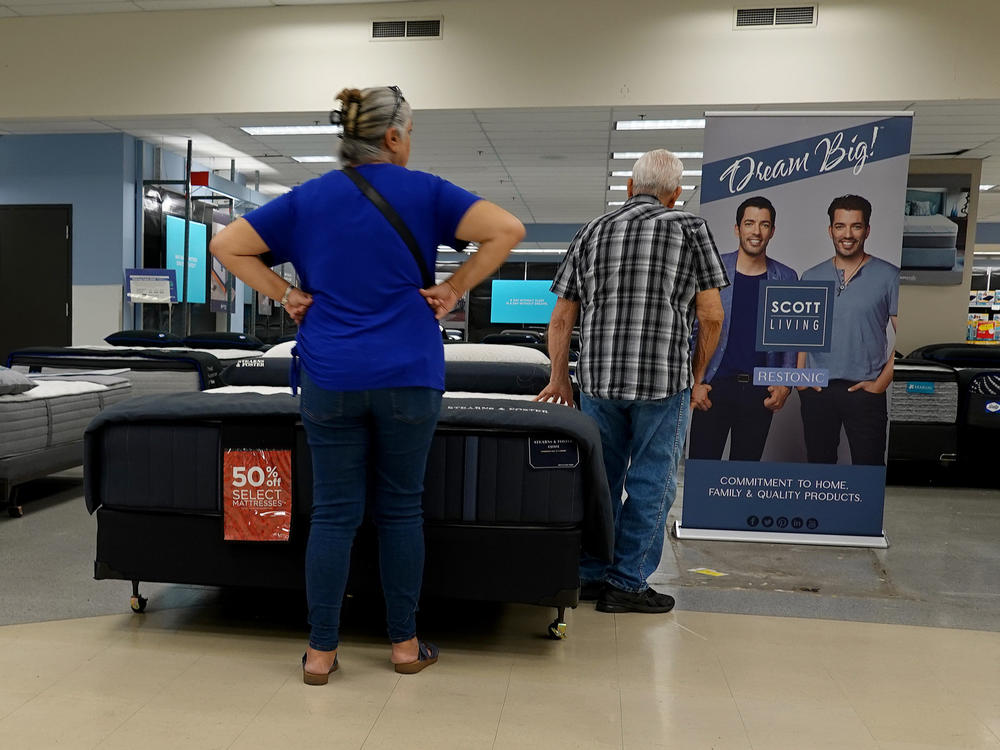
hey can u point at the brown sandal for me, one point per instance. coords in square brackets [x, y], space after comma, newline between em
[427, 654]
[311, 678]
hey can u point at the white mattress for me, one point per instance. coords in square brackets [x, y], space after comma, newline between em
[493, 353]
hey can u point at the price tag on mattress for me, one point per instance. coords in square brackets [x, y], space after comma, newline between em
[553, 453]
[257, 495]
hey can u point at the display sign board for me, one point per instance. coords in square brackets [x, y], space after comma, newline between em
[516, 301]
[257, 494]
[804, 207]
[197, 256]
[150, 285]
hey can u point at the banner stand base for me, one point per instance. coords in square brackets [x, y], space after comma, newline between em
[780, 537]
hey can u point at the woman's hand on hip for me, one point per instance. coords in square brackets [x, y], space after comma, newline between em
[298, 304]
[441, 298]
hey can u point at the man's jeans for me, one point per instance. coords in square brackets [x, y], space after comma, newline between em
[643, 442]
[386, 433]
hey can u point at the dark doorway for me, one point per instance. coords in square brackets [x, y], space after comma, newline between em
[35, 277]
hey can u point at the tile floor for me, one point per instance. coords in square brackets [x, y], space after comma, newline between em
[202, 678]
[209, 669]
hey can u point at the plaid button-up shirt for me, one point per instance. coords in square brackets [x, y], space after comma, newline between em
[635, 272]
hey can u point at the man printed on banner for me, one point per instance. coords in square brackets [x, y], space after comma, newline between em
[734, 408]
[860, 359]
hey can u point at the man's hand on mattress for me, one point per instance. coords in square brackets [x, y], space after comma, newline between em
[298, 304]
[441, 298]
[557, 392]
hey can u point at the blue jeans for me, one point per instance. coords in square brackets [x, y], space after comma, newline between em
[643, 442]
[387, 433]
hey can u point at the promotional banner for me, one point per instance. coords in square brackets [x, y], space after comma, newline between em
[197, 256]
[790, 442]
[257, 495]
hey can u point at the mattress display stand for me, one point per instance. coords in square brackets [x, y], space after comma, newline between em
[779, 537]
[25, 467]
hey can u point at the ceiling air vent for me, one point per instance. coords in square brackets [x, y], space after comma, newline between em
[407, 28]
[769, 18]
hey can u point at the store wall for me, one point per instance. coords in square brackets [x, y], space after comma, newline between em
[95, 174]
[516, 53]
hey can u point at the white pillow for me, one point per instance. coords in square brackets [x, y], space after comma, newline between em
[493, 353]
[12, 381]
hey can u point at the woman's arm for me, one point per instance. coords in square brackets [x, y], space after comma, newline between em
[497, 232]
[238, 247]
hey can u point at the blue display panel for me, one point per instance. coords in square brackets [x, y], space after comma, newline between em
[521, 302]
[197, 255]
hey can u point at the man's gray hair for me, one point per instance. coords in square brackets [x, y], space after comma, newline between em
[657, 172]
[365, 116]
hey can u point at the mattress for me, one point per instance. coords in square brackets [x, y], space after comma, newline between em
[923, 392]
[493, 461]
[151, 371]
[929, 231]
[55, 412]
[929, 257]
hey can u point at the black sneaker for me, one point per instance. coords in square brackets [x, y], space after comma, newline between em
[591, 590]
[649, 601]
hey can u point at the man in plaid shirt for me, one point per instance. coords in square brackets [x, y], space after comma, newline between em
[637, 277]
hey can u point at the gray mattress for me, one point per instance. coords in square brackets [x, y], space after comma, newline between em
[929, 257]
[32, 424]
[144, 382]
[929, 231]
[926, 393]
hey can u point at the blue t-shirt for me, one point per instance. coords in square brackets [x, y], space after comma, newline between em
[741, 355]
[861, 311]
[368, 326]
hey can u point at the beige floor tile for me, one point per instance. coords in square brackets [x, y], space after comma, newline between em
[751, 675]
[11, 700]
[781, 723]
[30, 665]
[169, 730]
[124, 673]
[429, 711]
[926, 746]
[341, 730]
[928, 722]
[58, 721]
[560, 714]
[651, 719]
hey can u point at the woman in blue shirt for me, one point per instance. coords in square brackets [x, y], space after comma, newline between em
[371, 350]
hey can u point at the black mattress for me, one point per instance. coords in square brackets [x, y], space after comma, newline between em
[513, 491]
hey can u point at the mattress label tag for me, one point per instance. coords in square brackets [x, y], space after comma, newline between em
[553, 453]
[257, 495]
[920, 387]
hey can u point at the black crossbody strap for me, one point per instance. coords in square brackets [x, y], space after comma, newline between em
[393, 218]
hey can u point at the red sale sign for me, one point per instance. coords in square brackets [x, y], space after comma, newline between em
[257, 494]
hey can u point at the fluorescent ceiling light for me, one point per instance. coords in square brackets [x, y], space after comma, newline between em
[314, 159]
[660, 124]
[625, 187]
[292, 129]
[637, 154]
[986, 187]
[685, 173]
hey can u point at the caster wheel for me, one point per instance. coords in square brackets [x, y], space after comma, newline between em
[138, 603]
[15, 511]
[557, 630]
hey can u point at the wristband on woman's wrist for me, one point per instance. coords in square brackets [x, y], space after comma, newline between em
[284, 297]
[453, 288]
